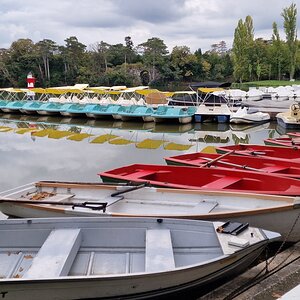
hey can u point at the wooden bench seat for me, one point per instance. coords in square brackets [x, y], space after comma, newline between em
[159, 250]
[56, 255]
[274, 169]
[221, 183]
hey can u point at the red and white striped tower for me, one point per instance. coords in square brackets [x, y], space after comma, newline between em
[30, 81]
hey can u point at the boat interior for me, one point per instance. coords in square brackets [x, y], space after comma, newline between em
[95, 247]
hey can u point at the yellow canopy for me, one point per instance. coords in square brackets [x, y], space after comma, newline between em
[210, 90]
[38, 90]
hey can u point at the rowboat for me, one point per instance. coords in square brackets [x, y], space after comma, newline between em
[118, 258]
[239, 162]
[293, 134]
[283, 142]
[204, 179]
[44, 199]
[279, 153]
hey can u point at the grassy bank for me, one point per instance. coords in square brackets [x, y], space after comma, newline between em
[266, 83]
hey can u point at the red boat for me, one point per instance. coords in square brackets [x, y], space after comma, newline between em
[239, 162]
[212, 179]
[293, 142]
[293, 134]
[279, 153]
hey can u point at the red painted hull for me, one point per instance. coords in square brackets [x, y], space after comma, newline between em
[280, 153]
[238, 162]
[212, 179]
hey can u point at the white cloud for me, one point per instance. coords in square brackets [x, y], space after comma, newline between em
[195, 23]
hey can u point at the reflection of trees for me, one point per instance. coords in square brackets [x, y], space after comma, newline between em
[238, 140]
[272, 133]
[75, 129]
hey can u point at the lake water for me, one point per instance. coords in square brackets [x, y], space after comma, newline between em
[48, 148]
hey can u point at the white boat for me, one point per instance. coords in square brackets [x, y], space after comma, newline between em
[214, 108]
[291, 118]
[275, 213]
[253, 95]
[249, 115]
[121, 258]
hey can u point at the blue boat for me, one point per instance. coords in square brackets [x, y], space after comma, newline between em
[51, 108]
[13, 106]
[74, 110]
[30, 107]
[183, 115]
[137, 112]
[102, 111]
[3, 103]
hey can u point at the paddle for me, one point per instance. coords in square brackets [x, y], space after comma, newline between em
[87, 204]
[234, 165]
[137, 187]
[209, 163]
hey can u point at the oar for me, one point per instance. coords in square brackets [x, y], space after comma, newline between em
[235, 165]
[87, 204]
[137, 187]
[209, 163]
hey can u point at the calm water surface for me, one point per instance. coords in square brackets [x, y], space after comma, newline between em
[48, 148]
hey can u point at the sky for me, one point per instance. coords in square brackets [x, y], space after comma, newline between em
[193, 23]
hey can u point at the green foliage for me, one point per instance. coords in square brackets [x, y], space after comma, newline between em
[289, 15]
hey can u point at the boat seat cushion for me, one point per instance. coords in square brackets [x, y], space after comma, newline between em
[159, 251]
[56, 255]
[221, 183]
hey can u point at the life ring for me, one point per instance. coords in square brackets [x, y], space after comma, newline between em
[295, 107]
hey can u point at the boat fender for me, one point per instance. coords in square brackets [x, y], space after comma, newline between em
[296, 202]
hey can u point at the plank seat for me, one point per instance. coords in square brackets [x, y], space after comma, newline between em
[56, 255]
[159, 250]
[221, 183]
[274, 169]
[142, 173]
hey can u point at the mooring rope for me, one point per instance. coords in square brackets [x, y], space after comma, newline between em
[257, 278]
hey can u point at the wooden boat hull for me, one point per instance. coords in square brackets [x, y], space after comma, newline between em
[204, 179]
[275, 213]
[108, 279]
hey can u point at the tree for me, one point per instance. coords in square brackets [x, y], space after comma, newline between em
[289, 15]
[74, 57]
[242, 45]
[45, 49]
[183, 61]
[277, 50]
[154, 52]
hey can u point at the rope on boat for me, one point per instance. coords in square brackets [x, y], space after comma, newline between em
[259, 277]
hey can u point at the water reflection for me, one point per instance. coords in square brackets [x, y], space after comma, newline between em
[34, 148]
